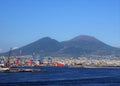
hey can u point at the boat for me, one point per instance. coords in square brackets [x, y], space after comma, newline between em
[2, 66]
[2, 69]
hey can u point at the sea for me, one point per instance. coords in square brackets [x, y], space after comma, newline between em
[63, 76]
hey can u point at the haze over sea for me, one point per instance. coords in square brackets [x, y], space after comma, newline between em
[63, 76]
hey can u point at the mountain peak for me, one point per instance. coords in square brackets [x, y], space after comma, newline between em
[45, 38]
[85, 38]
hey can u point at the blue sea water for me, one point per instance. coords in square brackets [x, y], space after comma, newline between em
[63, 76]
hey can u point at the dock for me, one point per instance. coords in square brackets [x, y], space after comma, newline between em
[22, 70]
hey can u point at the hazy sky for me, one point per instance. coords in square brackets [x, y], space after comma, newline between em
[25, 21]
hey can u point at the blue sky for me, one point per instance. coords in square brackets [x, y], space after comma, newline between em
[25, 21]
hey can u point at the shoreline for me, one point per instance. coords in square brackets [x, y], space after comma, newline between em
[94, 66]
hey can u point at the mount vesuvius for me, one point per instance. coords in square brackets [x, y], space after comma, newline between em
[80, 45]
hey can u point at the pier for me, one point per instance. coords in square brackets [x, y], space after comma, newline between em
[21, 70]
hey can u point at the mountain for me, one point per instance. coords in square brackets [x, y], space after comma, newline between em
[80, 45]
[84, 45]
[45, 46]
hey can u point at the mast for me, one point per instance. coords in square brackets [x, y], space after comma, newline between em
[8, 62]
[19, 58]
[32, 59]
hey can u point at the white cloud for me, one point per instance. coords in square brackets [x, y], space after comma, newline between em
[13, 48]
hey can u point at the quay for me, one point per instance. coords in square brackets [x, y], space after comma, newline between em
[21, 70]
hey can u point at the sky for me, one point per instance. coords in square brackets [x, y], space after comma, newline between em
[25, 21]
